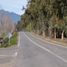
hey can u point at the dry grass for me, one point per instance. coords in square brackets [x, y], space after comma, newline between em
[52, 40]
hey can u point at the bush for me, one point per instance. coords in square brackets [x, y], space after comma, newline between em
[13, 40]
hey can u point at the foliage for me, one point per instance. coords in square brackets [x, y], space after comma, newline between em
[46, 16]
[13, 41]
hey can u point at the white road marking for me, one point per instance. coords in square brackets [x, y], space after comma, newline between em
[59, 57]
[14, 55]
[49, 42]
[18, 39]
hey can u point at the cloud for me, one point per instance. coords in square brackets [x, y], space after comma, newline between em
[13, 5]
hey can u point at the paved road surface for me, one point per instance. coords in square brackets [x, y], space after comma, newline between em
[7, 56]
[35, 53]
[32, 52]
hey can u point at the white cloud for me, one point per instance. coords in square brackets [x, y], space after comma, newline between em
[13, 5]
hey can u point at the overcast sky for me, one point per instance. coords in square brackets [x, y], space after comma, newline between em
[13, 5]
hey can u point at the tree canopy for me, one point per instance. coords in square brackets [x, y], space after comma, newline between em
[46, 17]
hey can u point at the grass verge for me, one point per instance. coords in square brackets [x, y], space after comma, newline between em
[12, 42]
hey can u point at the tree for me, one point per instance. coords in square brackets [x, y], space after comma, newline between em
[45, 17]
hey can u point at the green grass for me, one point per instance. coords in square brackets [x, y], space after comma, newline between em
[13, 41]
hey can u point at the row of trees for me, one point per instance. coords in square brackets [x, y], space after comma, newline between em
[46, 17]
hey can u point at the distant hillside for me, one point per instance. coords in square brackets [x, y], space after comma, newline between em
[15, 17]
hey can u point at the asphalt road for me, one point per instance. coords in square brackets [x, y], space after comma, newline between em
[7, 56]
[33, 52]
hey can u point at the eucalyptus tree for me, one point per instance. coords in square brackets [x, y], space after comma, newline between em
[46, 17]
[58, 13]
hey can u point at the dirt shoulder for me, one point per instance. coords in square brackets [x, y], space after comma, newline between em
[52, 41]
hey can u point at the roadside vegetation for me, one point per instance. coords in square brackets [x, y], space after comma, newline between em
[45, 17]
[6, 42]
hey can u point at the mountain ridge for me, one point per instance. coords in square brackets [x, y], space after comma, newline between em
[14, 17]
[7, 22]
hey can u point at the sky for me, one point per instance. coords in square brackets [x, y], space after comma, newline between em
[13, 5]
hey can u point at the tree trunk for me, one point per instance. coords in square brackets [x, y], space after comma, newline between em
[38, 32]
[50, 33]
[55, 33]
[62, 35]
[43, 33]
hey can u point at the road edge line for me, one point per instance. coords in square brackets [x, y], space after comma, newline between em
[59, 57]
[18, 39]
[49, 42]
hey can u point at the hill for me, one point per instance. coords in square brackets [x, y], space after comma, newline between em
[14, 17]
